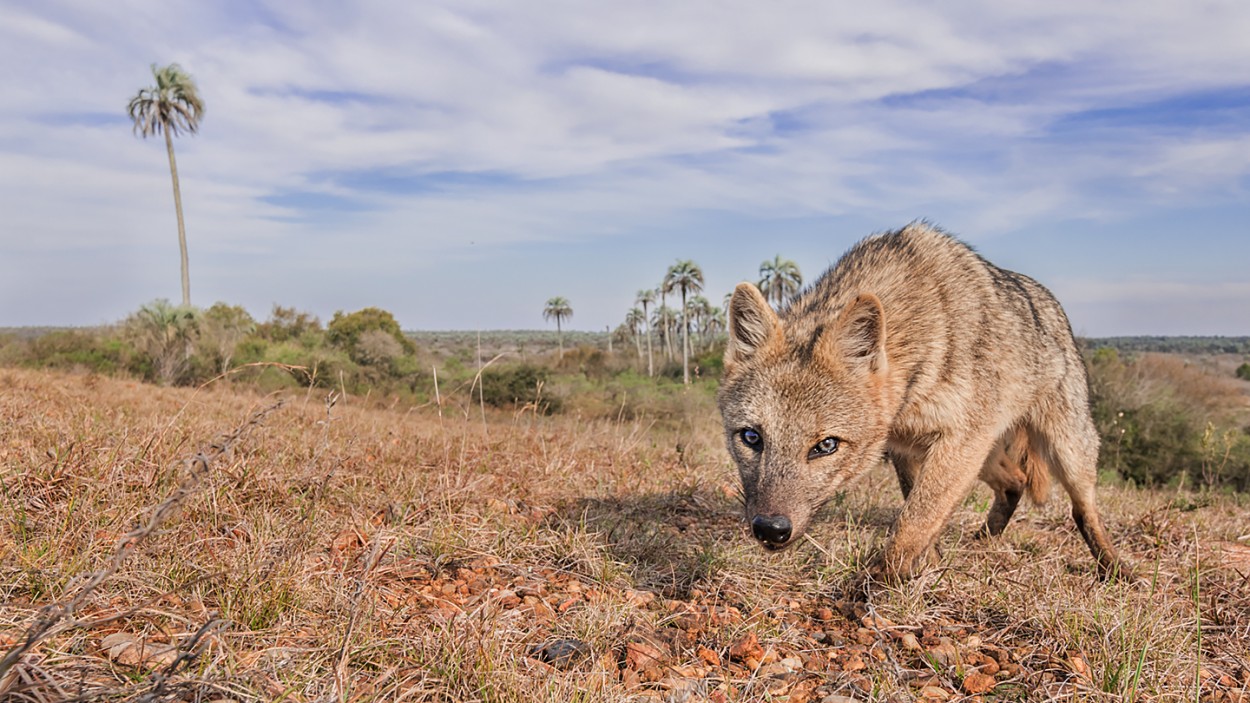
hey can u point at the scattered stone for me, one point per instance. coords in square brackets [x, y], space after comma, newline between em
[839, 699]
[708, 656]
[128, 650]
[944, 652]
[909, 642]
[876, 622]
[639, 599]
[747, 647]
[640, 656]
[977, 683]
[561, 653]
[935, 693]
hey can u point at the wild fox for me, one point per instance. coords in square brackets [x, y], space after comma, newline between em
[912, 349]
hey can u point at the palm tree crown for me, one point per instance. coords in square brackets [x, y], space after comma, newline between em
[779, 279]
[171, 106]
[558, 309]
[686, 276]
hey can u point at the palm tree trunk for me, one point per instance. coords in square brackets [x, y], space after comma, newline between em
[182, 230]
[685, 340]
[664, 331]
[560, 336]
[650, 358]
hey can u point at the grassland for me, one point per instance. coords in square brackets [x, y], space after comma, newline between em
[333, 551]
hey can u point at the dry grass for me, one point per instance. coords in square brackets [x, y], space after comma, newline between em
[346, 554]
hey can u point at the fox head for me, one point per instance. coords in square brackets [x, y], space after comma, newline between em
[804, 402]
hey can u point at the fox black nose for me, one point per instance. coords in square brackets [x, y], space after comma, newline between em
[774, 529]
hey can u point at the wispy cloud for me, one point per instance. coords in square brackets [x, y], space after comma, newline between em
[420, 131]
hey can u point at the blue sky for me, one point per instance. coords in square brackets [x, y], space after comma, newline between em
[459, 163]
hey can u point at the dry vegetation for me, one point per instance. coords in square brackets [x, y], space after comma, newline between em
[334, 552]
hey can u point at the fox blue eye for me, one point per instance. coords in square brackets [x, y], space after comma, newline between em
[824, 447]
[750, 437]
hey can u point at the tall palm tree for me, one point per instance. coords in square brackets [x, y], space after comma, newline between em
[664, 320]
[700, 310]
[779, 279]
[558, 308]
[686, 276]
[645, 299]
[714, 324]
[171, 105]
[634, 319]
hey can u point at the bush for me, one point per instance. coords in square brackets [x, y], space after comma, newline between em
[347, 330]
[287, 324]
[1164, 421]
[85, 350]
[165, 334]
[1243, 371]
[512, 386]
[222, 328]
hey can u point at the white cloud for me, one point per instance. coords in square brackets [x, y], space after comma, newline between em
[594, 120]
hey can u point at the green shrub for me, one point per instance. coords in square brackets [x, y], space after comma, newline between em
[368, 326]
[86, 350]
[1243, 371]
[1165, 421]
[286, 324]
[512, 386]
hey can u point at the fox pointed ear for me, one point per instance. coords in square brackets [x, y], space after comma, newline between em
[860, 333]
[752, 323]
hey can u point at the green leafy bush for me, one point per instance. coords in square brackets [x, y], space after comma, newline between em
[1164, 421]
[523, 384]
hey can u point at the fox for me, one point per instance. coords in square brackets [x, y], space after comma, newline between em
[911, 350]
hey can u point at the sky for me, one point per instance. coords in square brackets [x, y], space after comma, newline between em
[459, 163]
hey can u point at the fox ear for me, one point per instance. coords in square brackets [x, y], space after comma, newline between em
[752, 323]
[861, 333]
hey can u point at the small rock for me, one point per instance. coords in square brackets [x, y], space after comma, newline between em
[639, 599]
[642, 655]
[839, 699]
[989, 667]
[561, 653]
[944, 652]
[974, 642]
[875, 622]
[824, 614]
[747, 647]
[708, 656]
[935, 693]
[974, 684]
[909, 642]
[508, 599]
[775, 669]
[128, 650]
